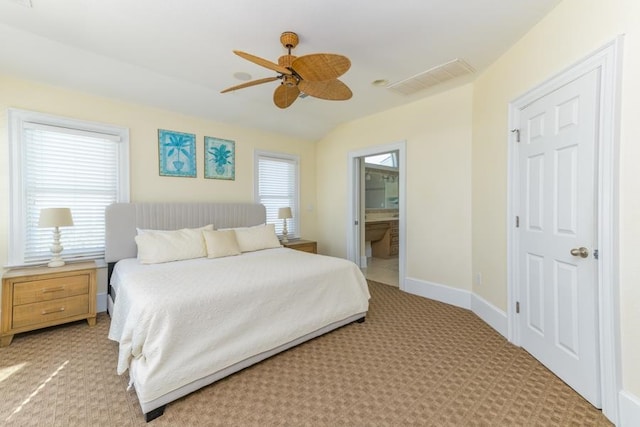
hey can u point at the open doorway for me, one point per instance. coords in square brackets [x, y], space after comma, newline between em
[376, 239]
[380, 177]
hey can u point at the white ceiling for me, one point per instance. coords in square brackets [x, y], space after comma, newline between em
[177, 55]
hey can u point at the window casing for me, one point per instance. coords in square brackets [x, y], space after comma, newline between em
[277, 186]
[61, 162]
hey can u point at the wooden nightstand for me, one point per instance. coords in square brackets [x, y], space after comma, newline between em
[37, 297]
[302, 245]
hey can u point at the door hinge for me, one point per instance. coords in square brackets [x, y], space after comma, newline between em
[596, 254]
[356, 222]
[517, 222]
[517, 307]
[517, 132]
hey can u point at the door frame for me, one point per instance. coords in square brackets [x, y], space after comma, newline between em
[607, 60]
[355, 217]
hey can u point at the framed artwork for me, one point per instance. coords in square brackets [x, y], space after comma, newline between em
[219, 158]
[177, 153]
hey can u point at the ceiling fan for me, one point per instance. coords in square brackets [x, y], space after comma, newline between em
[315, 75]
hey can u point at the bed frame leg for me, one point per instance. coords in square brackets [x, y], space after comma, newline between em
[360, 320]
[155, 413]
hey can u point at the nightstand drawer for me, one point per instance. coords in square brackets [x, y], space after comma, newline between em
[307, 247]
[302, 245]
[49, 289]
[43, 312]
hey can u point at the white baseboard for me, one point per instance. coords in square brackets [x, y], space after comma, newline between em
[435, 291]
[101, 302]
[490, 314]
[486, 311]
[629, 410]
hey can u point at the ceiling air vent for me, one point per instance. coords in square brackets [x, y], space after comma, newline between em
[25, 3]
[432, 77]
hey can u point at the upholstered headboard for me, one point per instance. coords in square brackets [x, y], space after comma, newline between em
[121, 220]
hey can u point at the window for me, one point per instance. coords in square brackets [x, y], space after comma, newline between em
[386, 159]
[60, 162]
[277, 187]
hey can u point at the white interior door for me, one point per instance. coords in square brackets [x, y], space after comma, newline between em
[557, 276]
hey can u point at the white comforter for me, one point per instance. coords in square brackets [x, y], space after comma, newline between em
[184, 320]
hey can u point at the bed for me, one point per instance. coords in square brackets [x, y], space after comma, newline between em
[182, 325]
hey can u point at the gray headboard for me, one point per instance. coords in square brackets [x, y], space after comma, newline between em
[121, 220]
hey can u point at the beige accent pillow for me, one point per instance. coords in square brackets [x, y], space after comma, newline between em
[163, 246]
[221, 243]
[257, 238]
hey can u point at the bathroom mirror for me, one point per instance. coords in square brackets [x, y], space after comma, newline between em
[381, 189]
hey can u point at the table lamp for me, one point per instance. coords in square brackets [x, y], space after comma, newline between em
[55, 217]
[284, 214]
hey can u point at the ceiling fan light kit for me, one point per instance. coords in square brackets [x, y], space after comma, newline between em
[314, 75]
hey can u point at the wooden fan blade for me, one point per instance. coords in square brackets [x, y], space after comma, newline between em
[263, 62]
[285, 95]
[321, 66]
[333, 90]
[248, 84]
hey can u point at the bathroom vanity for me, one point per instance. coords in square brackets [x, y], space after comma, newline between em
[383, 235]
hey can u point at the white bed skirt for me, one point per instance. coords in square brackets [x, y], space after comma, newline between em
[202, 382]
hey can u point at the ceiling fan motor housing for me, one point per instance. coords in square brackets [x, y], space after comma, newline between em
[286, 60]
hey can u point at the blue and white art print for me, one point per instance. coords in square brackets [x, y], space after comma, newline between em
[219, 158]
[177, 152]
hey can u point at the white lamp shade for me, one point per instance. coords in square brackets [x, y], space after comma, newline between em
[284, 213]
[55, 217]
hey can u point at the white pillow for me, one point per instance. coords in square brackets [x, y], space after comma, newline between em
[140, 231]
[163, 246]
[257, 238]
[221, 243]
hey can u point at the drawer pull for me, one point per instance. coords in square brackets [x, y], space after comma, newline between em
[57, 310]
[56, 289]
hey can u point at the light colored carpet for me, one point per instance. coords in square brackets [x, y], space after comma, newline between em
[413, 362]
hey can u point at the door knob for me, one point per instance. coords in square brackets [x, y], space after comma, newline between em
[581, 252]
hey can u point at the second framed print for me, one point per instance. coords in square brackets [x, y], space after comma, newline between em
[219, 158]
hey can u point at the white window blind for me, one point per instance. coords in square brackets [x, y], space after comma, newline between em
[277, 187]
[71, 164]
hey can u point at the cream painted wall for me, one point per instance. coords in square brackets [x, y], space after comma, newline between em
[437, 131]
[570, 32]
[143, 122]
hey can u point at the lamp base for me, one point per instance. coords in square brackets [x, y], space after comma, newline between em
[55, 263]
[56, 249]
[284, 231]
